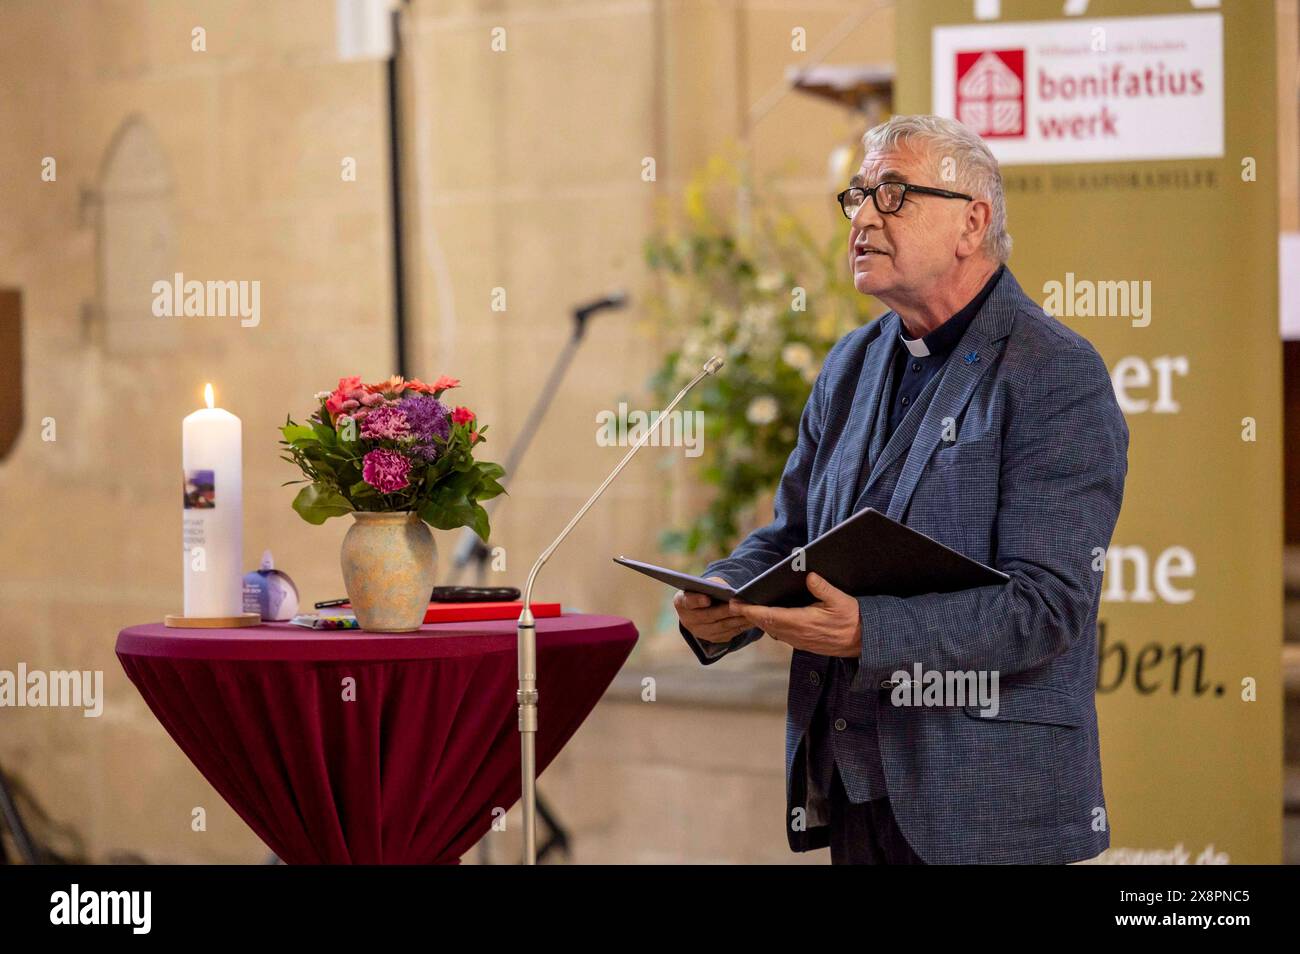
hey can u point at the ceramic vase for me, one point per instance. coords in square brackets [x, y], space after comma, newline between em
[389, 565]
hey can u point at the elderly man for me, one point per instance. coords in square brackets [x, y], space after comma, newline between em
[971, 415]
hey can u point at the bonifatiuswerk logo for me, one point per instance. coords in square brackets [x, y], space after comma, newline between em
[991, 92]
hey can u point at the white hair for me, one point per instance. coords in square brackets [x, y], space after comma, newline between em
[962, 161]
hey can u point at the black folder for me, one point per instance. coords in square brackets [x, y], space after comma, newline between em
[866, 555]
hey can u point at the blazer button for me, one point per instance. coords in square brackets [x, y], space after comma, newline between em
[890, 683]
[840, 725]
[815, 678]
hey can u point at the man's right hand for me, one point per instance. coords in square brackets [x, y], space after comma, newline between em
[706, 620]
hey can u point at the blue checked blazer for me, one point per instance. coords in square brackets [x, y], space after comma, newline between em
[1015, 454]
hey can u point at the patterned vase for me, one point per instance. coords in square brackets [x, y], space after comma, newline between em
[389, 565]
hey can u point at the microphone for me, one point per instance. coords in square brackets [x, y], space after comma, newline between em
[617, 299]
[526, 630]
[470, 546]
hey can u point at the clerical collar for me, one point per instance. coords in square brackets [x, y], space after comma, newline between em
[944, 338]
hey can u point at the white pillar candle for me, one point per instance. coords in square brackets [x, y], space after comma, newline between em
[213, 514]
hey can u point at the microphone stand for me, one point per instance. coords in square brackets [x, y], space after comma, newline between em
[526, 632]
[471, 548]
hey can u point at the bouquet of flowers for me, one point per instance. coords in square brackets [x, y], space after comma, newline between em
[391, 446]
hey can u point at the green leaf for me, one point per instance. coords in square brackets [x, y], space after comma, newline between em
[448, 516]
[480, 523]
[488, 489]
[326, 435]
[460, 484]
[298, 432]
[316, 503]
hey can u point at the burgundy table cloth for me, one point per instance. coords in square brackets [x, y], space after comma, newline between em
[409, 772]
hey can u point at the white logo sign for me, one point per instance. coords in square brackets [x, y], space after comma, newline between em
[1044, 91]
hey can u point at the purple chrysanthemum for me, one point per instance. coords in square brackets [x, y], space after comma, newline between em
[385, 422]
[385, 470]
[427, 419]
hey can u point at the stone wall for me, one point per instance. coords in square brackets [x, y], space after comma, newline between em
[523, 173]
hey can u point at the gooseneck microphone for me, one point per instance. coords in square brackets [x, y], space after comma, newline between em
[527, 631]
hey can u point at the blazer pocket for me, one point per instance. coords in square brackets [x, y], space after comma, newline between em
[982, 450]
[1033, 704]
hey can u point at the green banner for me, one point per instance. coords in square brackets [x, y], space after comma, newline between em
[1138, 148]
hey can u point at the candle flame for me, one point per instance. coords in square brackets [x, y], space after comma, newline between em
[207, 395]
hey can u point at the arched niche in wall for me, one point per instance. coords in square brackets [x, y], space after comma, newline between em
[136, 241]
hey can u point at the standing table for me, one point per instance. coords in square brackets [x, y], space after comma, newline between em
[341, 747]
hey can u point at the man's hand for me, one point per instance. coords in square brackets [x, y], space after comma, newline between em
[830, 627]
[712, 623]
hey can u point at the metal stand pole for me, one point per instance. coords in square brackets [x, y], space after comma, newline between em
[23, 843]
[526, 631]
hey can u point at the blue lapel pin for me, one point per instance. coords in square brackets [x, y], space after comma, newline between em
[972, 357]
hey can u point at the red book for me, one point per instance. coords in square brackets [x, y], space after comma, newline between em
[467, 612]
[474, 612]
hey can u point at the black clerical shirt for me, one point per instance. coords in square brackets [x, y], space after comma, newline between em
[913, 372]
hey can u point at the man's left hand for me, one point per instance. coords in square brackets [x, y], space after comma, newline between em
[831, 627]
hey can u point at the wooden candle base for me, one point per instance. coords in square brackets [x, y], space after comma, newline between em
[211, 622]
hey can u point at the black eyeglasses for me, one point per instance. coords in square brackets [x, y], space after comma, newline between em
[888, 197]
